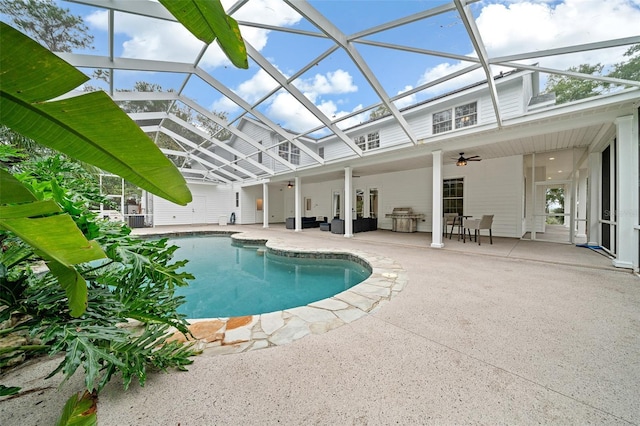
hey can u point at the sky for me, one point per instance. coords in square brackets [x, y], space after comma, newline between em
[335, 85]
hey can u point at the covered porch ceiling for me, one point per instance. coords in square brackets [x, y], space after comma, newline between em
[299, 48]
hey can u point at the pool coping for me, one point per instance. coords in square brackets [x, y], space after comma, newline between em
[241, 334]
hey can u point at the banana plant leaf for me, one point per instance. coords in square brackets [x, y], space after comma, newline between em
[207, 20]
[13, 191]
[89, 127]
[56, 238]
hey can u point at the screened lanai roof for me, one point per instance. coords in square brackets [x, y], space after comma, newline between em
[318, 68]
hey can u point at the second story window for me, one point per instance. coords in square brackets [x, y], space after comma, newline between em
[442, 121]
[321, 151]
[289, 152]
[294, 158]
[370, 141]
[465, 115]
[373, 140]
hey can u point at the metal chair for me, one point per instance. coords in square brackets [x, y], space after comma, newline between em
[449, 219]
[477, 225]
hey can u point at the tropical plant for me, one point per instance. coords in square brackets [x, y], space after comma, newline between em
[135, 281]
[38, 219]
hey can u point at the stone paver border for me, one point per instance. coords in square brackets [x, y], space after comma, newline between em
[241, 334]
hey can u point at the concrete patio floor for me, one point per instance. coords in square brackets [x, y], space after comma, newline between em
[517, 332]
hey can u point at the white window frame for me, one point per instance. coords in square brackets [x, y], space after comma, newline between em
[361, 142]
[441, 124]
[373, 140]
[463, 120]
[289, 152]
[456, 117]
[294, 154]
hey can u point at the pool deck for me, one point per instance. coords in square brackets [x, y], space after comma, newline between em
[517, 332]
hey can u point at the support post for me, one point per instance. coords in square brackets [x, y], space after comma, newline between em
[265, 205]
[348, 207]
[437, 211]
[298, 206]
[626, 210]
[593, 210]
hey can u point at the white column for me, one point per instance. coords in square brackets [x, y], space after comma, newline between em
[298, 201]
[582, 203]
[593, 210]
[265, 205]
[626, 213]
[348, 202]
[436, 226]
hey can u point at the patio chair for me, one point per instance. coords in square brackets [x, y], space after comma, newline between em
[477, 225]
[449, 219]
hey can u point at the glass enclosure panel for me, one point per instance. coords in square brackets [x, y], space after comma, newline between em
[336, 204]
[359, 203]
[373, 203]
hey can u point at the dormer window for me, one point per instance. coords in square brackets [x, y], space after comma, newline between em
[289, 152]
[465, 116]
[370, 141]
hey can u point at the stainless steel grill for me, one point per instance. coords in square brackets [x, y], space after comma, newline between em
[404, 219]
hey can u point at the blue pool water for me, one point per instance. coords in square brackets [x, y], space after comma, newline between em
[235, 281]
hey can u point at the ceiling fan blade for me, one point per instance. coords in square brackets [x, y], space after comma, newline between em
[472, 157]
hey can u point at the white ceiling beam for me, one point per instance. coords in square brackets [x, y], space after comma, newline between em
[189, 143]
[140, 96]
[567, 50]
[579, 75]
[209, 79]
[403, 21]
[238, 133]
[129, 64]
[437, 53]
[478, 45]
[300, 97]
[326, 26]
[175, 153]
[204, 135]
[150, 9]
[210, 166]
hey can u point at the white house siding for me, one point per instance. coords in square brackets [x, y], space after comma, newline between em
[336, 148]
[392, 135]
[421, 124]
[493, 186]
[410, 188]
[247, 212]
[511, 98]
[209, 203]
[321, 197]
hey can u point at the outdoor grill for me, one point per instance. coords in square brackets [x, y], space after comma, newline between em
[404, 219]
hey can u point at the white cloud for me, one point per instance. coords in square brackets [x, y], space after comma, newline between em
[527, 26]
[283, 108]
[333, 82]
[147, 38]
[407, 100]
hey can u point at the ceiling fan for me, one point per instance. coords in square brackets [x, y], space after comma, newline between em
[462, 160]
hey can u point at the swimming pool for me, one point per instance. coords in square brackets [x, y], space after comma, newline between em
[235, 281]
